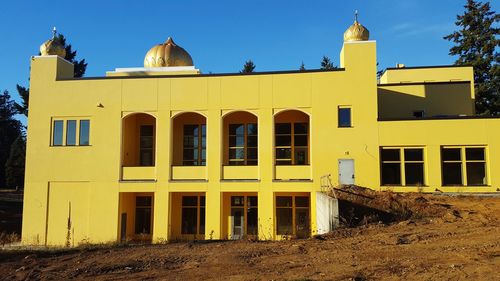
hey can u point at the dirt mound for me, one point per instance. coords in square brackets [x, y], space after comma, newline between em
[361, 206]
[443, 238]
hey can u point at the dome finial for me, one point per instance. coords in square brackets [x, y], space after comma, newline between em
[356, 32]
[167, 54]
[53, 47]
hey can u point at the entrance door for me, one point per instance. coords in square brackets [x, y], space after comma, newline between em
[123, 229]
[302, 222]
[237, 223]
[346, 171]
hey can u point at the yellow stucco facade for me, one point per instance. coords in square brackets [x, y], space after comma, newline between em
[185, 155]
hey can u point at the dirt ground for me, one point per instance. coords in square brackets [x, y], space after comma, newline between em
[438, 238]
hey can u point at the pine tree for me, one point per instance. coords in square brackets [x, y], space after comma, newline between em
[327, 64]
[10, 129]
[248, 67]
[475, 44]
[14, 167]
[80, 66]
[302, 67]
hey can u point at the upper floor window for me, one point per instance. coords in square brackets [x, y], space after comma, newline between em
[292, 143]
[402, 166]
[243, 144]
[64, 132]
[344, 117]
[146, 145]
[84, 132]
[57, 132]
[194, 149]
[464, 166]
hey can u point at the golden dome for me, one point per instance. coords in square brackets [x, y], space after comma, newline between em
[167, 54]
[356, 32]
[52, 47]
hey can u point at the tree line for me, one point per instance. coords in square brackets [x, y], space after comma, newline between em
[475, 43]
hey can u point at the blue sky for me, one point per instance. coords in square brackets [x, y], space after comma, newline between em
[221, 35]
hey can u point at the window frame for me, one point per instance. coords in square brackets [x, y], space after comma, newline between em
[293, 148]
[246, 209]
[199, 210]
[64, 136]
[150, 207]
[343, 107]
[294, 208]
[200, 147]
[402, 164]
[463, 162]
[245, 146]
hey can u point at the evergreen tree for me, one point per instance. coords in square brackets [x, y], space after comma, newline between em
[10, 129]
[14, 167]
[24, 94]
[80, 65]
[248, 67]
[327, 64]
[475, 44]
[79, 70]
[302, 67]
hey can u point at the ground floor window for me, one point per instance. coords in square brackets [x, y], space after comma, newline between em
[193, 215]
[402, 166]
[244, 220]
[143, 214]
[292, 216]
[463, 166]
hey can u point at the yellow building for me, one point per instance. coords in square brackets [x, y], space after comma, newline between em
[164, 152]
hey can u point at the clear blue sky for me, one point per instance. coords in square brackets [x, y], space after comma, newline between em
[221, 35]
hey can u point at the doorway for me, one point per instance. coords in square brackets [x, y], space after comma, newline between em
[346, 171]
[243, 217]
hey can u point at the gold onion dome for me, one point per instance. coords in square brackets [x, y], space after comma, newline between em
[356, 32]
[167, 54]
[53, 47]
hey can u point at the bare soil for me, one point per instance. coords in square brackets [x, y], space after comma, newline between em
[391, 237]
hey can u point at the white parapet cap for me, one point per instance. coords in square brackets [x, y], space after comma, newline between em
[156, 69]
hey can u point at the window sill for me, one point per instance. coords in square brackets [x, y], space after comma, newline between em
[70, 145]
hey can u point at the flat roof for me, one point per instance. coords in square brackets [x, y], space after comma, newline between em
[423, 67]
[450, 117]
[202, 75]
[423, 83]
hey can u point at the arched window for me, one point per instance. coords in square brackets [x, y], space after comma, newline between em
[189, 139]
[139, 134]
[240, 139]
[291, 138]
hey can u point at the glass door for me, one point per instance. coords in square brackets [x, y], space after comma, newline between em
[237, 217]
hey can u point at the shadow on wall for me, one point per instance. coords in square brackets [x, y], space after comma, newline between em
[402, 101]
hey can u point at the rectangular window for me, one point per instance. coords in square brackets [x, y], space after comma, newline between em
[194, 145]
[71, 132]
[402, 166]
[143, 214]
[243, 144]
[193, 215]
[344, 117]
[57, 134]
[419, 113]
[146, 145]
[292, 216]
[460, 161]
[84, 132]
[292, 143]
